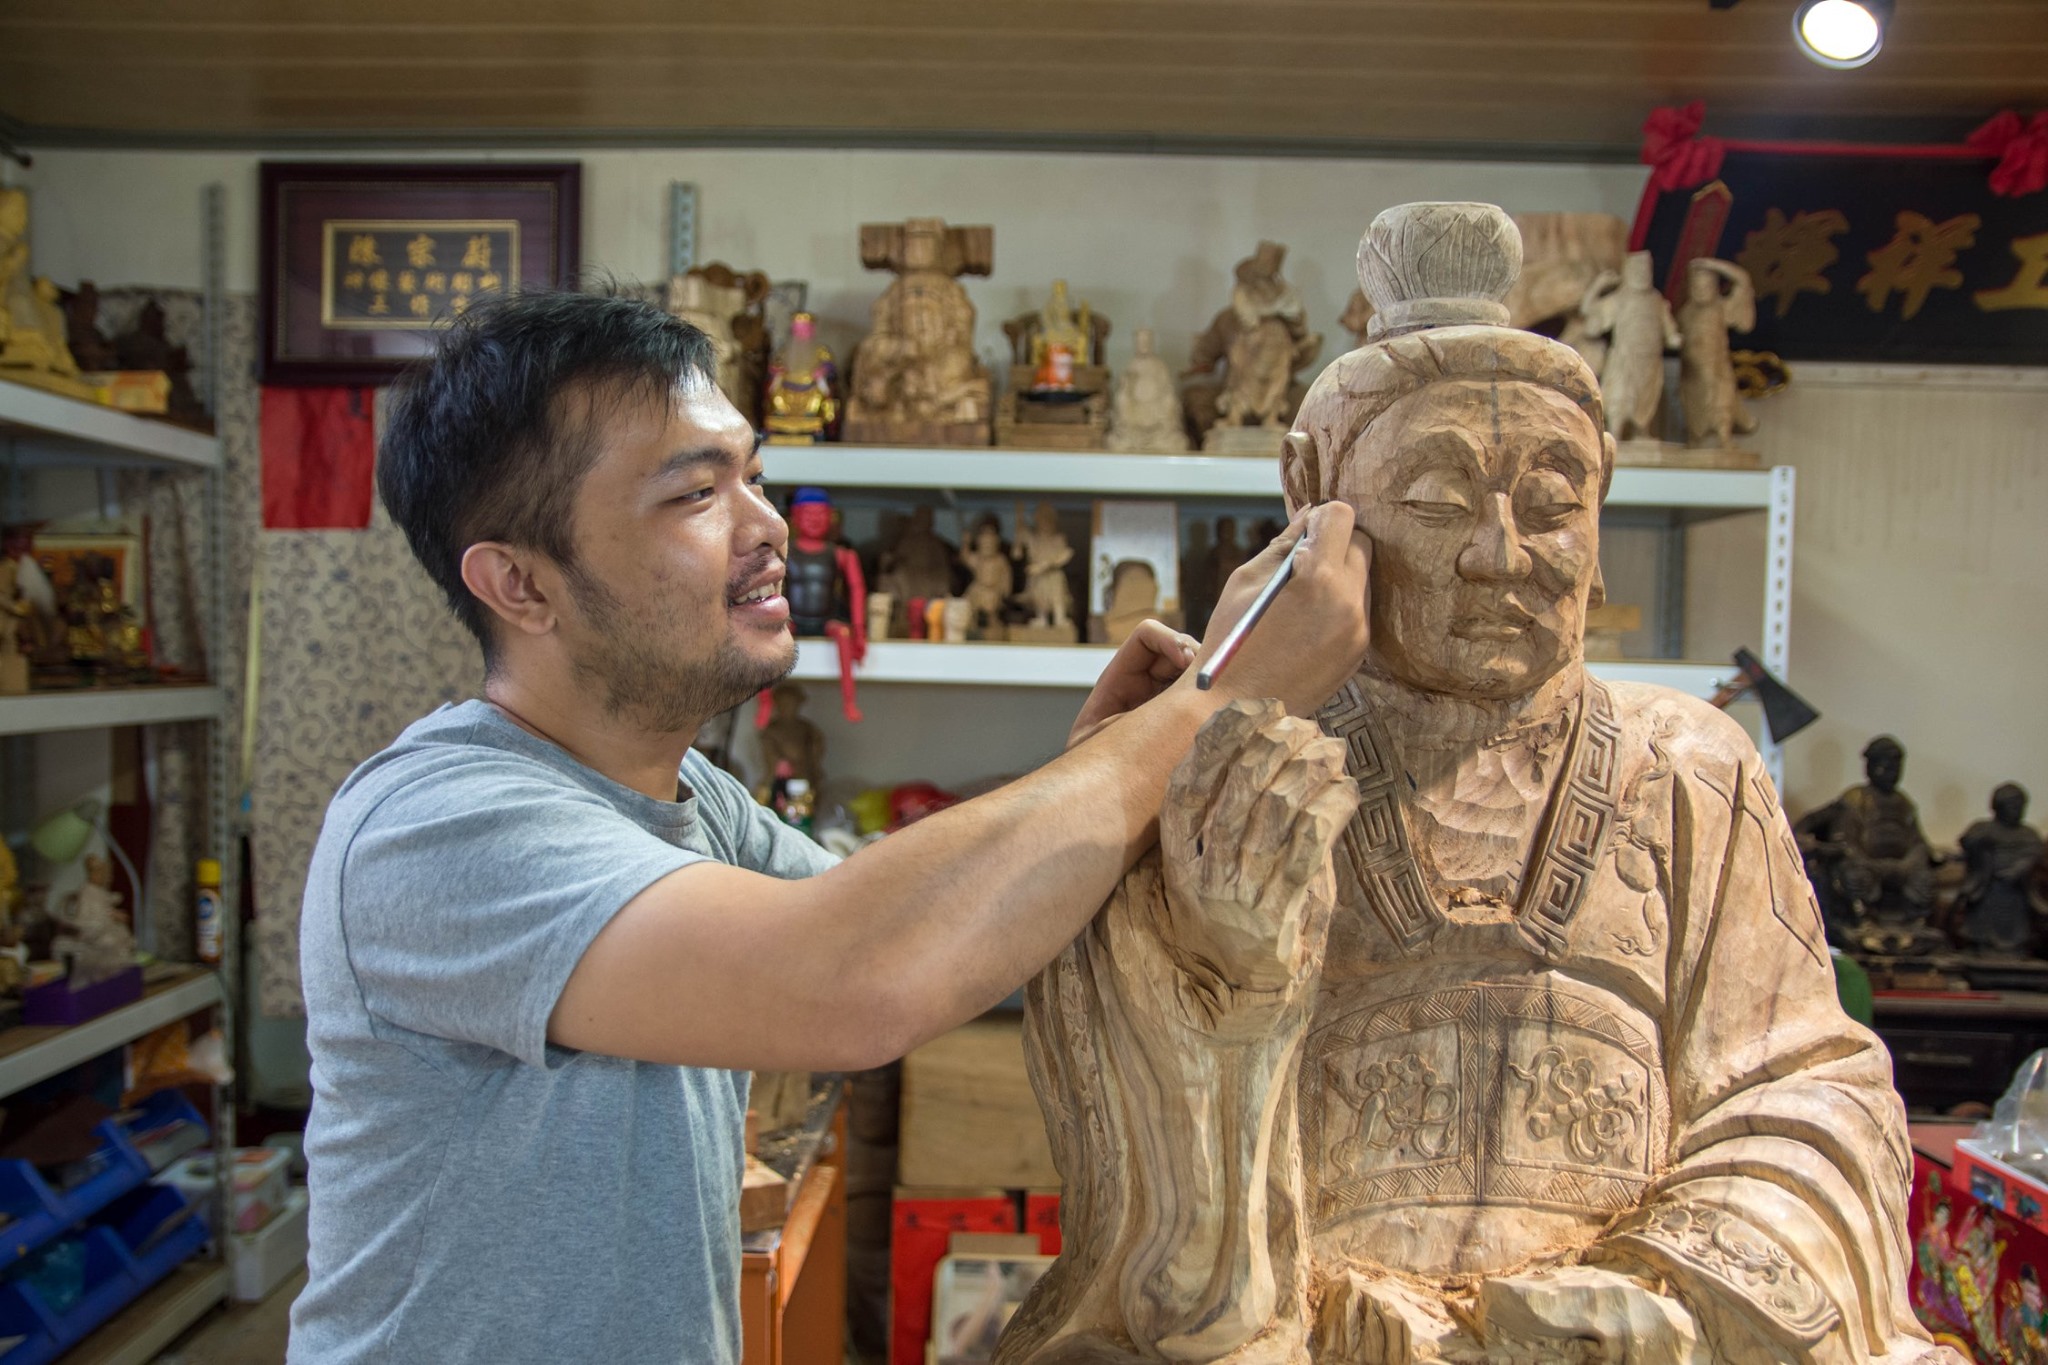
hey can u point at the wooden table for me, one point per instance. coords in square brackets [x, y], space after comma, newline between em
[793, 1279]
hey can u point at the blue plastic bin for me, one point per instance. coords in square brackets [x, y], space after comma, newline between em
[121, 1263]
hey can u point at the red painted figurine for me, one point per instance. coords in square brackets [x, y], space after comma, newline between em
[826, 590]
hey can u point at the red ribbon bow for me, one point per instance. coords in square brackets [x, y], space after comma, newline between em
[2021, 146]
[1678, 157]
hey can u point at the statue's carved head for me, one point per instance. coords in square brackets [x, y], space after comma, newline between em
[1475, 455]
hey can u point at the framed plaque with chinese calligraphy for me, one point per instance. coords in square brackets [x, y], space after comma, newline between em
[1911, 254]
[362, 262]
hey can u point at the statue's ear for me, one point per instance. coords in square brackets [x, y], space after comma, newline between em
[1301, 476]
[1607, 454]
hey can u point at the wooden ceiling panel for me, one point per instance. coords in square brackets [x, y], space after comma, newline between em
[1572, 75]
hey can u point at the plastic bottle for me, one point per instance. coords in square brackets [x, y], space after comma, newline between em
[206, 909]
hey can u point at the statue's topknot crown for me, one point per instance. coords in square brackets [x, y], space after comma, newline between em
[1438, 265]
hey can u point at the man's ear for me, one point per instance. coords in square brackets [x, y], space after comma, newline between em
[1301, 476]
[503, 579]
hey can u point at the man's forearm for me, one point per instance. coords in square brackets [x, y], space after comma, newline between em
[957, 910]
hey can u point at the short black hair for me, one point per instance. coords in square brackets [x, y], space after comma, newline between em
[479, 444]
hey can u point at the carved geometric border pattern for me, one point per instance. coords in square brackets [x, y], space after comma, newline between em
[1579, 828]
[1376, 841]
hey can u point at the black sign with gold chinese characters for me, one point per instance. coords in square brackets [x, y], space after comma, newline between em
[417, 274]
[362, 263]
[1867, 257]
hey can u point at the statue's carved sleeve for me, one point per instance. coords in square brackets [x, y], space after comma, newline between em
[1781, 1223]
[1163, 1045]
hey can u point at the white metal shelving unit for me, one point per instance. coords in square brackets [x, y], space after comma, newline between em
[1676, 496]
[40, 432]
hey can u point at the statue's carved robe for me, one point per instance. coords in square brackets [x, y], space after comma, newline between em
[1645, 1060]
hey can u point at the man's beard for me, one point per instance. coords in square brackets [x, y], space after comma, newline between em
[655, 691]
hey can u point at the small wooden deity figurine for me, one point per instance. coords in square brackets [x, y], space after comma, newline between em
[915, 378]
[826, 590]
[803, 389]
[787, 738]
[32, 327]
[14, 612]
[1997, 908]
[1045, 553]
[992, 578]
[711, 307]
[1629, 311]
[1488, 1020]
[94, 931]
[1869, 863]
[917, 567]
[1719, 299]
[1260, 340]
[1145, 416]
[1057, 395]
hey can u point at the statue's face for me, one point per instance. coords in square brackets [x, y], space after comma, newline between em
[1883, 768]
[2009, 805]
[811, 520]
[1483, 504]
[921, 249]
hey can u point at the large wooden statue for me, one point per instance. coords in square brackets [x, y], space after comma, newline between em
[1535, 1057]
[915, 378]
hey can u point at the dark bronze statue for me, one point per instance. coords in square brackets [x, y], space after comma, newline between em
[1869, 862]
[1996, 910]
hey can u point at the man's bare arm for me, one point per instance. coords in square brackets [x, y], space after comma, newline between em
[718, 966]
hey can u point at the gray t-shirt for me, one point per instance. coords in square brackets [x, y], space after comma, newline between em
[480, 1194]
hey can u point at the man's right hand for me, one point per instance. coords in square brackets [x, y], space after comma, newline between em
[1313, 637]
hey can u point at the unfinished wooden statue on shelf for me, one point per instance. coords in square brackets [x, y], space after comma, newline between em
[1521, 1042]
[32, 325]
[992, 579]
[1261, 340]
[725, 305]
[1145, 415]
[1629, 311]
[1045, 552]
[915, 379]
[93, 932]
[1719, 299]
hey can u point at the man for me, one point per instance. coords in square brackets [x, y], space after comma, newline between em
[543, 941]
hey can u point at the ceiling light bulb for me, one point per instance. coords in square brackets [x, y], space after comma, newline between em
[1838, 33]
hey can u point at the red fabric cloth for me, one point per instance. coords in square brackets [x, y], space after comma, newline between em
[1677, 156]
[319, 458]
[2021, 146]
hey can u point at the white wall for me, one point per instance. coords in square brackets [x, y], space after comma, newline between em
[1920, 580]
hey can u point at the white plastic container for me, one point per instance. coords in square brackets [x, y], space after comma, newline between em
[259, 1179]
[261, 1261]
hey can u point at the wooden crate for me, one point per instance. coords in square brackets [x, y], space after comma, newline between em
[969, 1117]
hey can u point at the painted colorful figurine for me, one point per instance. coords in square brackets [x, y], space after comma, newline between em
[827, 592]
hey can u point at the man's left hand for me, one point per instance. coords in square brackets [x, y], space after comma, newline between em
[1143, 666]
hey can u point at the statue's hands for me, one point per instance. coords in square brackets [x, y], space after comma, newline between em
[1611, 1315]
[1245, 834]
